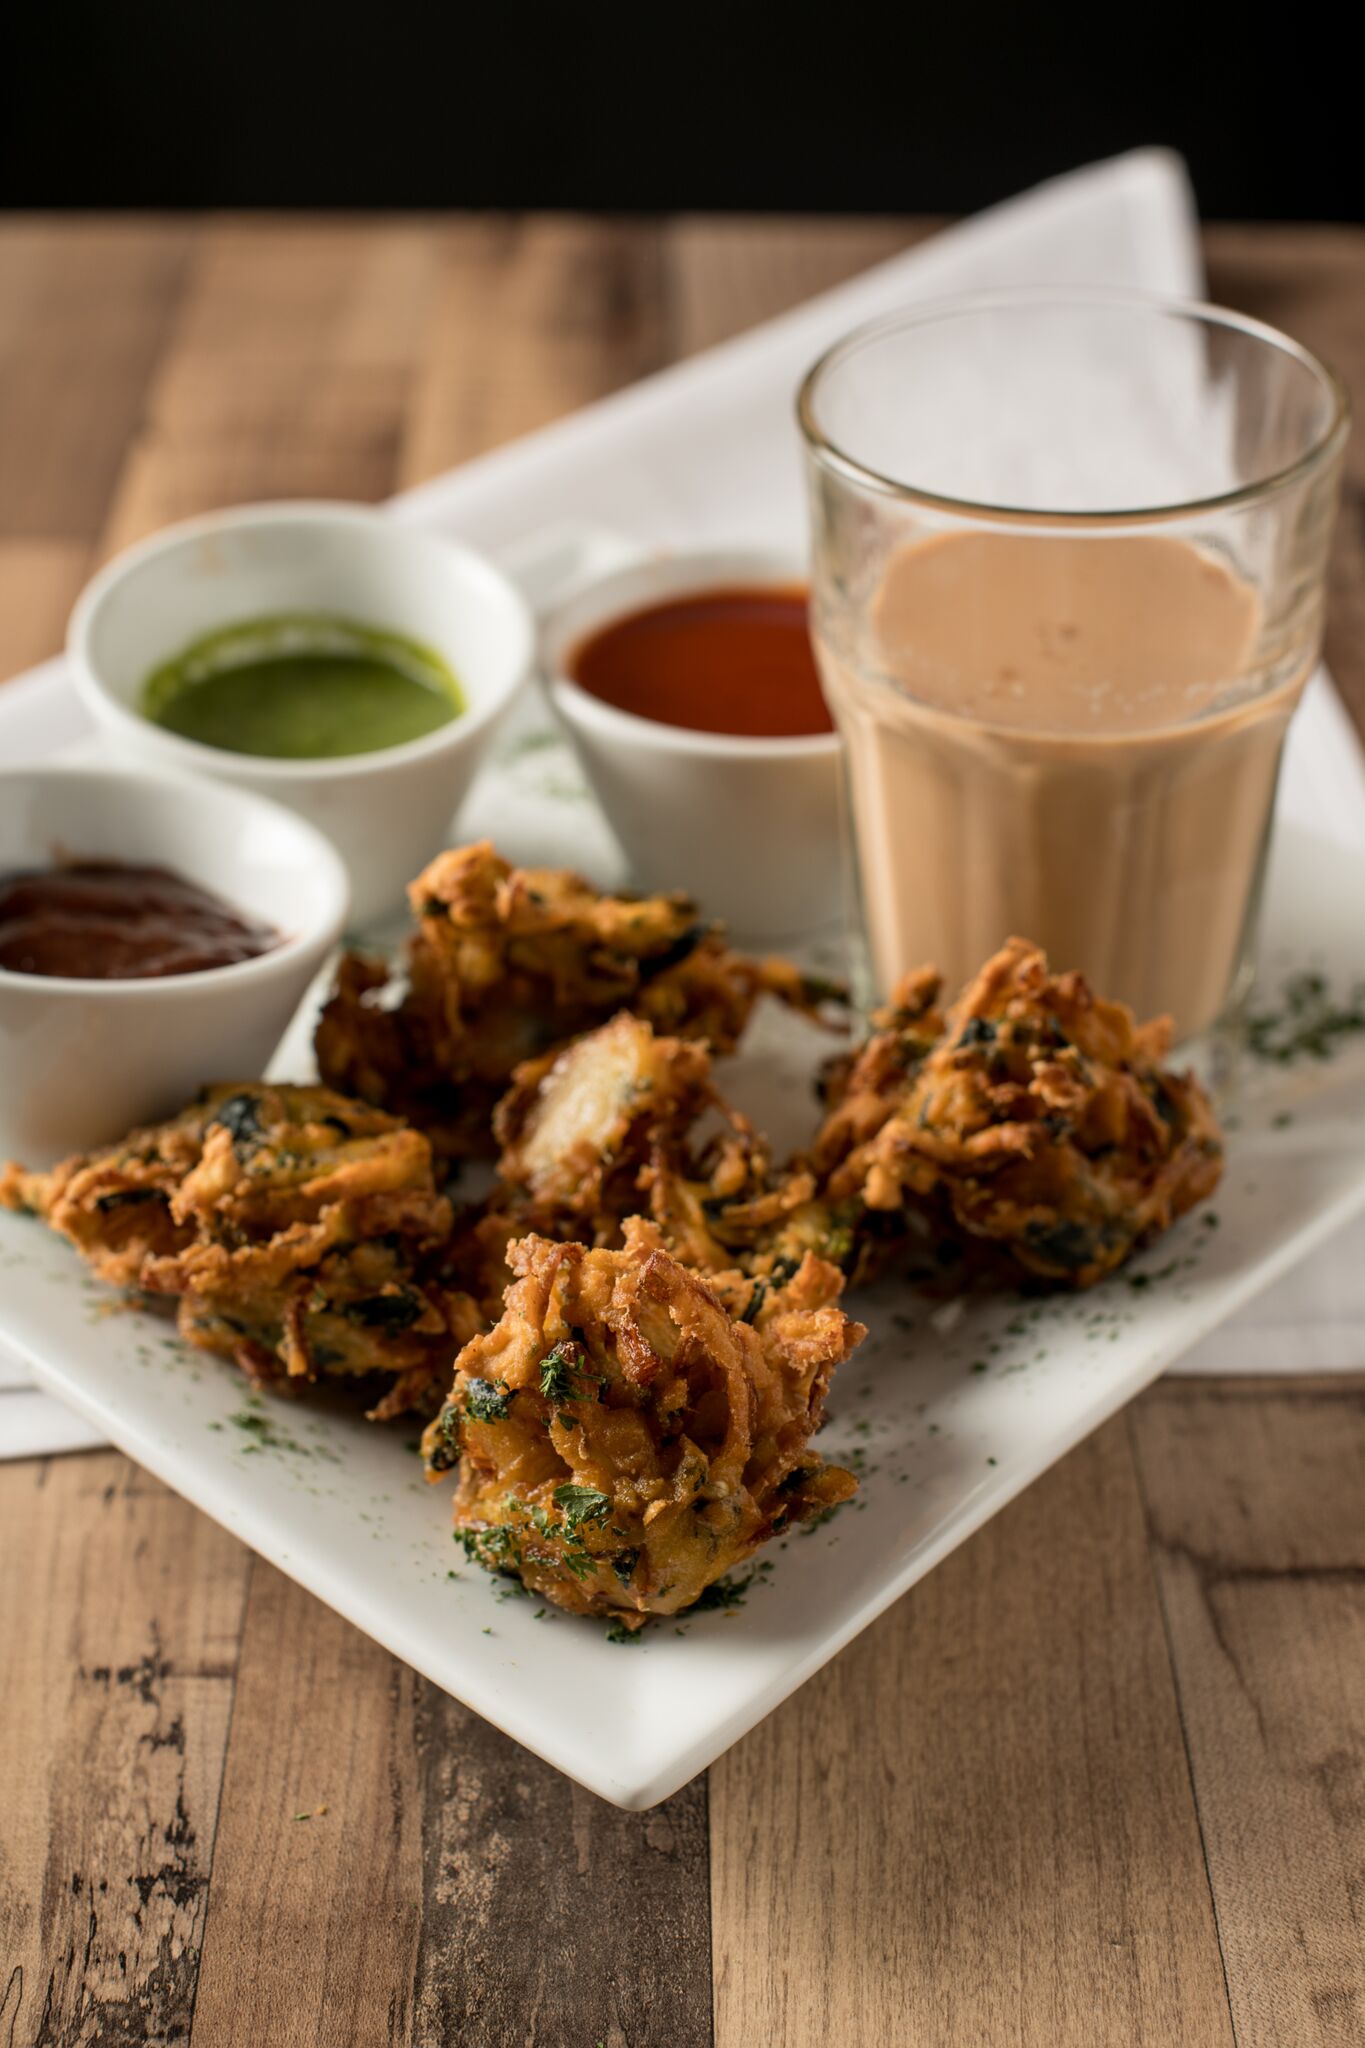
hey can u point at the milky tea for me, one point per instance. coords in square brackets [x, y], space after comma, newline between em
[1063, 726]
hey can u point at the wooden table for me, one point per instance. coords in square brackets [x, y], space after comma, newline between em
[1099, 1780]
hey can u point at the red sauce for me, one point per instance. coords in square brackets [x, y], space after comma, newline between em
[734, 661]
[98, 920]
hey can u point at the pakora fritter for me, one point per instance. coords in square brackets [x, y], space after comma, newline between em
[577, 1127]
[301, 1234]
[1041, 1125]
[508, 964]
[622, 1119]
[622, 1440]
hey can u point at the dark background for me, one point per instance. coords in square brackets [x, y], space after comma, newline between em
[829, 108]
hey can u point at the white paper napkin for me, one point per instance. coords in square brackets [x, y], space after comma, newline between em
[707, 450]
[651, 462]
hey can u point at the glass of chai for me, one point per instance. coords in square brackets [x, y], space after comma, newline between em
[1067, 588]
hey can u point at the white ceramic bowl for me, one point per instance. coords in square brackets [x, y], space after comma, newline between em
[750, 827]
[389, 811]
[83, 1061]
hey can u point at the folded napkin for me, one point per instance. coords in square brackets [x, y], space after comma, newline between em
[653, 462]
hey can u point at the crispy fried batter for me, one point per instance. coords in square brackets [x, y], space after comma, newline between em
[587, 1132]
[623, 1440]
[508, 964]
[1042, 1124]
[375, 1041]
[301, 1234]
[623, 1119]
[867, 1087]
[619, 1120]
[766, 1231]
[577, 1127]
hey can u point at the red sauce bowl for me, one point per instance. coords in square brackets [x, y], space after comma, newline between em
[665, 674]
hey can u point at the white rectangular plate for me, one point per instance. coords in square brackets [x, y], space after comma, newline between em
[948, 1418]
[707, 453]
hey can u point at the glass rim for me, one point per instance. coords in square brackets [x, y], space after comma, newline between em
[929, 311]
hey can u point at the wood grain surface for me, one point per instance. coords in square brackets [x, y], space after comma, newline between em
[1099, 1780]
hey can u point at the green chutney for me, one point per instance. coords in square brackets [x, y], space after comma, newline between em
[302, 688]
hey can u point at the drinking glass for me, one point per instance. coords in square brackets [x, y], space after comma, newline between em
[1069, 552]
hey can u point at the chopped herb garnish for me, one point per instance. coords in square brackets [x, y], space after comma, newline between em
[1310, 1023]
[1140, 1281]
[445, 1445]
[397, 1311]
[556, 1375]
[262, 1430]
[487, 1400]
[726, 1594]
[580, 1504]
[496, 1549]
[240, 1117]
[560, 1369]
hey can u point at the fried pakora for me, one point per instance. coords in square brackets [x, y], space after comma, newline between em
[509, 964]
[301, 1234]
[577, 1127]
[622, 1439]
[1041, 1126]
[587, 1133]
[623, 1120]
